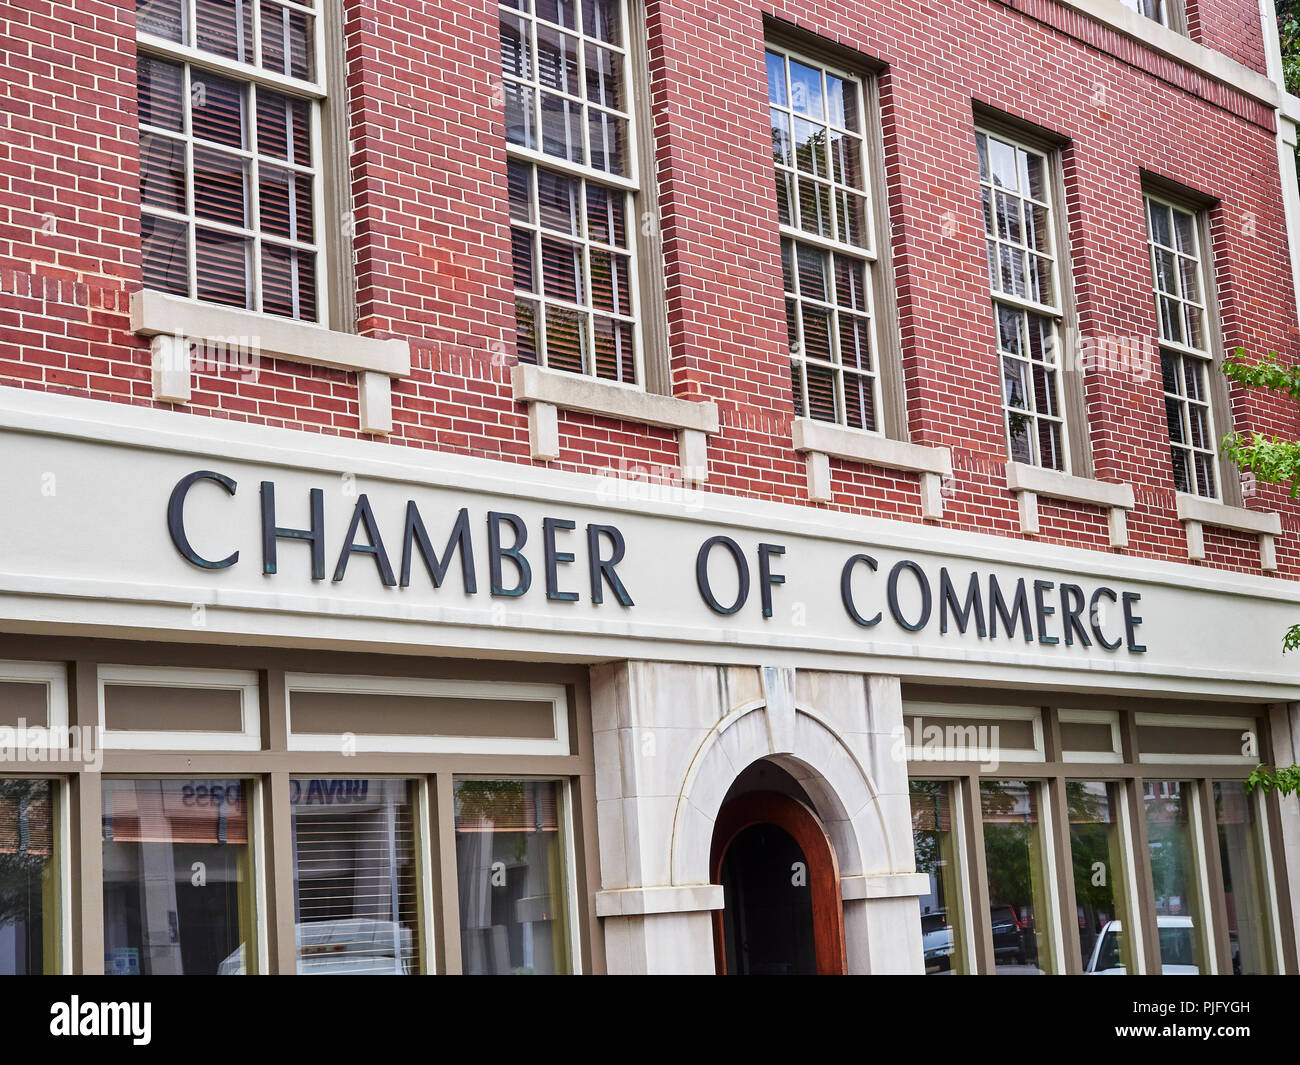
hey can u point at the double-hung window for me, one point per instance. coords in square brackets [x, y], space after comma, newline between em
[230, 152]
[570, 142]
[1016, 190]
[1156, 10]
[1186, 353]
[828, 256]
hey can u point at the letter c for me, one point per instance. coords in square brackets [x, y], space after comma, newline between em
[176, 518]
[846, 590]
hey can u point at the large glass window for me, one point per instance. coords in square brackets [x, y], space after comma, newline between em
[512, 875]
[355, 876]
[1019, 883]
[1186, 359]
[29, 878]
[572, 173]
[1176, 876]
[1016, 190]
[1241, 851]
[229, 152]
[827, 239]
[178, 878]
[1100, 861]
[935, 841]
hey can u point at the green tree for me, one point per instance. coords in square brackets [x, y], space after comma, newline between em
[1273, 461]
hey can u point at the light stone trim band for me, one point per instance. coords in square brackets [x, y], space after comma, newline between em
[546, 392]
[689, 898]
[821, 440]
[1195, 513]
[176, 325]
[1030, 482]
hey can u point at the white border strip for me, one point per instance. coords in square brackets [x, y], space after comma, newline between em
[485, 692]
[249, 738]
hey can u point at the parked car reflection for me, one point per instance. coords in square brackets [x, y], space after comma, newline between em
[1177, 948]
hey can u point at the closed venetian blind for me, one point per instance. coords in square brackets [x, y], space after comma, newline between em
[26, 818]
[356, 876]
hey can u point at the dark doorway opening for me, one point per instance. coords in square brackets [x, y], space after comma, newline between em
[781, 893]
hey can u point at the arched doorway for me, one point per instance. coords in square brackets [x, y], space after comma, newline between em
[782, 912]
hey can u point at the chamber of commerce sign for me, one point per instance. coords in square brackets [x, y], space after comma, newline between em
[561, 559]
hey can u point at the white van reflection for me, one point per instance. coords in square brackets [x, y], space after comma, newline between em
[355, 946]
[1177, 948]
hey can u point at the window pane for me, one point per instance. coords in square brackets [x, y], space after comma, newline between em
[225, 28]
[934, 840]
[161, 92]
[29, 878]
[223, 264]
[1015, 853]
[178, 878]
[166, 256]
[1175, 876]
[164, 18]
[283, 127]
[512, 877]
[288, 281]
[1100, 877]
[162, 172]
[1241, 850]
[218, 109]
[355, 879]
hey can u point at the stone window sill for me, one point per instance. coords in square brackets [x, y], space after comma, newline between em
[546, 392]
[179, 326]
[1030, 482]
[1195, 513]
[821, 441]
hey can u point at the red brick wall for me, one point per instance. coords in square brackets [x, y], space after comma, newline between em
[1229, 27]
[432, 250]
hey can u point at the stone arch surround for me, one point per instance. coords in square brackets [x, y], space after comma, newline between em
[670, 739]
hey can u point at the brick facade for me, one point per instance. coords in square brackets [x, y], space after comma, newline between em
[432, 257]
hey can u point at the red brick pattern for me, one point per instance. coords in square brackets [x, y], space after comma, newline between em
[431, 237]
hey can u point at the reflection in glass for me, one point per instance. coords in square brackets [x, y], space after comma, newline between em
[29, 878]
[1180, 922]
[355, 877]
[512, 879]
[1241, 850]
[1018, 883]
[1100, 876]
[934, 840]
[178, 878]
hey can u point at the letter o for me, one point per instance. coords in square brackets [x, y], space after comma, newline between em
[702, 573]
[926, 599]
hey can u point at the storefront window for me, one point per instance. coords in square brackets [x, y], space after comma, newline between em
[178, 878]
[1175, 876]
[935, 842]
[355, 876]
[1241, 849]
[29, 878]
[1018, 882]
[512, 877]
[1100, 877]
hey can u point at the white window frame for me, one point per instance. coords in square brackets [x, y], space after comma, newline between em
[1180, 350]
[867, 253]
[315, 92]
[248, 738]
[584, 174]
[54, 677]
[477, 690]
[1053, 313]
